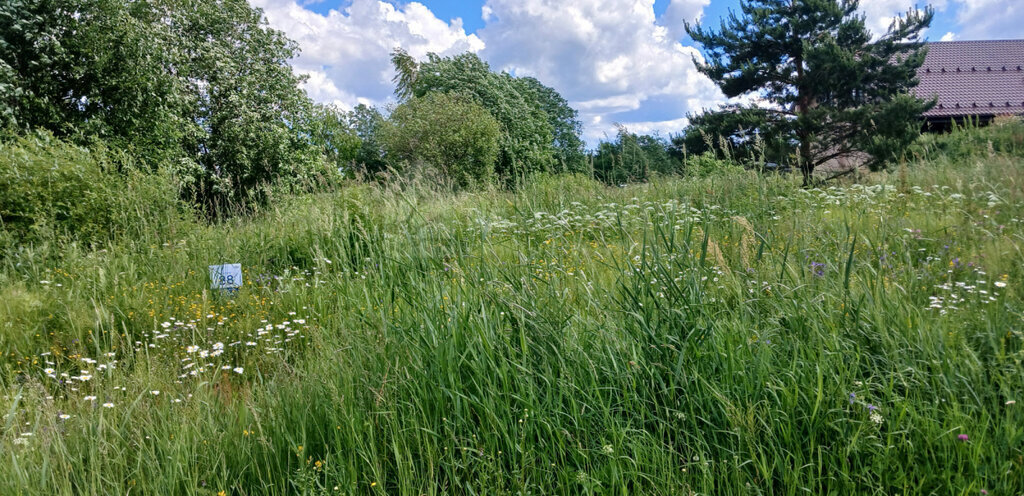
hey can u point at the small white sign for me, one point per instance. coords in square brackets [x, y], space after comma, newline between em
[227, 276]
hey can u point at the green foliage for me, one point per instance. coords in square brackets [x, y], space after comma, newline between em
[540, 132]
[406, 69]
[971, 141]
[736, 133]
[526, 138]
[97, 68]
[632, 158]
[446, 132]
[367, 123]
[58, 193]
[201, 84]
[243, 98]
[835, 91]
[565, 125]
[329, 129]
[708, 164]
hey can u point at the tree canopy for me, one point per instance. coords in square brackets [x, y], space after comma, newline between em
[448, 134]
[201, 85]
[539, 130]
[831, 89]
[632, 158]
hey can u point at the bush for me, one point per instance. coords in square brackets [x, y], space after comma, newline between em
[449, 133]
[632, 158]
[53, 191]
[1004, 136]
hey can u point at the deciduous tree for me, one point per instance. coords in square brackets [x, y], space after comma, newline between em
[446, 132]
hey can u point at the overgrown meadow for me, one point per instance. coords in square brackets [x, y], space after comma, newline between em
[728, 334]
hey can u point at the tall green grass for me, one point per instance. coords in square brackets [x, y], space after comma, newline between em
[729, 334]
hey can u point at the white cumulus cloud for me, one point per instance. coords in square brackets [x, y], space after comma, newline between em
[990, 19]
[976, 19]
[346, 53]
[614, 60]
[879, 14]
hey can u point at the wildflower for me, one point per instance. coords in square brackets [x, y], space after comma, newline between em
[1000, 284]
[84, 377]
[373, 484]
[1011, 402]
[852, 397]
[108, 405]
[63, 416]
[192, 349]
[963, 437]
[876, 418]
[49, 371]
[90, 398]
[607, 449]
[222, 493]
[155, 392]
[872, 408]
[239, 370]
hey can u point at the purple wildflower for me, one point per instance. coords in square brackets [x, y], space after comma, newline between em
[963, 437]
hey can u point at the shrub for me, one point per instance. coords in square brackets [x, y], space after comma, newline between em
[969, 140]
[53, 191]
[449, 133]
[632, 158]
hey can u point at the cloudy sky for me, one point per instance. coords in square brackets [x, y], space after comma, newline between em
[616, 61]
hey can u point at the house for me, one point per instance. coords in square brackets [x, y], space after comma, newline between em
[973, 80]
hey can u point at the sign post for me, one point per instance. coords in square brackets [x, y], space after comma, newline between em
[227, 278]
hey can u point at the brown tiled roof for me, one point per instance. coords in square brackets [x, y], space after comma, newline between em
[973, 78]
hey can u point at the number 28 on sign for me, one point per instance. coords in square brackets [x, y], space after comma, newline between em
[227, 277]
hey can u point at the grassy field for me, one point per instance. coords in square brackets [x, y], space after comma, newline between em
[733, 334]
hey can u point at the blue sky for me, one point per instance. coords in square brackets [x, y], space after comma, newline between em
[622, 62]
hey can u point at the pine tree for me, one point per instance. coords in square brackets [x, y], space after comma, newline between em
[832, 90]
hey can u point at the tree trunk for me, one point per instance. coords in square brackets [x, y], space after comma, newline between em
[806, 163]
[803, 105]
